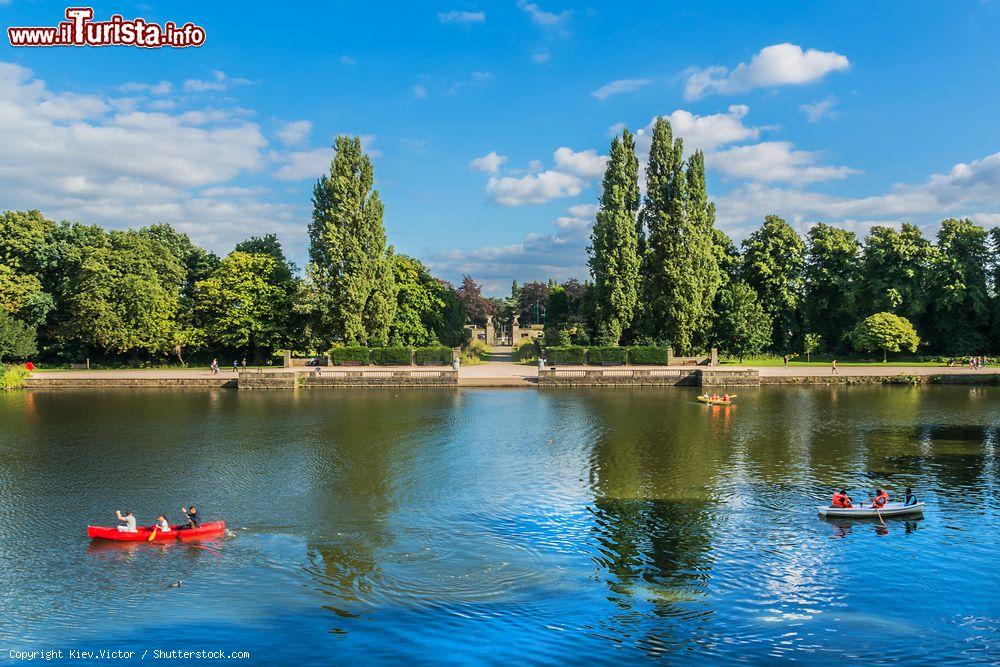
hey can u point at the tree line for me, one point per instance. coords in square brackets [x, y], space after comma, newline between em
[70, 291]
[664, 274]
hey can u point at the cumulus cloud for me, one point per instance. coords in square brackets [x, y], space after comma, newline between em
[966, 188]
[776, 65]
[703, 132]
[533, 188]
[774, 161]
[586, 164]
[77, 157]
[490, 163]
[819, 109]
[217, 83]
[619, 86]
[348, 60]
[161, 88]
[461, 17]
[294, 132]
[313, 163]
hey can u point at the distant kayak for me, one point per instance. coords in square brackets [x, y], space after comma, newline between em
[208, 529]
[714, 401]
[890, 509]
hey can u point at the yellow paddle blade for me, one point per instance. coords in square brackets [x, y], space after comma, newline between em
[152, 536]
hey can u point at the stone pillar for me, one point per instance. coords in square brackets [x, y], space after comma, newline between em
[714, 360]
[515, 330]
[490, 333]
[670, 356]
[288, 359]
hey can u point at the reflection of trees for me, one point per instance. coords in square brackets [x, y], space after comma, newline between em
[363, 445]
[652, 471]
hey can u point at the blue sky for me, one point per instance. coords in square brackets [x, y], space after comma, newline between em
[488, 121]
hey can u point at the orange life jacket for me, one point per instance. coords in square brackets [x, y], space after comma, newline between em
[880, 500]
[884, 495]
[841, 500]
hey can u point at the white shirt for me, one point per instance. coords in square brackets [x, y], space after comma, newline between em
[129, 523]
[163, 526]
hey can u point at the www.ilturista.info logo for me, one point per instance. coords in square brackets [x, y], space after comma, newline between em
[79, 29]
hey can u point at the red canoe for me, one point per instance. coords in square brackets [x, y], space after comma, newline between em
[141, 534]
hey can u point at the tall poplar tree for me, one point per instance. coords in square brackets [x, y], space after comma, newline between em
[679, 269]
[614, 249]
[351, 267]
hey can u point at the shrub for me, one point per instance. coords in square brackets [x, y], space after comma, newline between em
[392, 356]
[649, 355]
[525, 351]
[432, 356]
[13, 377]
[607, 355]
[570, 355]
[351, 355]
[475, 353]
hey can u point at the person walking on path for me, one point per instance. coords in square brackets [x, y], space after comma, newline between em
[236, 366]
[785, 360]
[215, 366]
[244, 363]
[833, 367]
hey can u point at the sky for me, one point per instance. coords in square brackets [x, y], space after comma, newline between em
[489, 122]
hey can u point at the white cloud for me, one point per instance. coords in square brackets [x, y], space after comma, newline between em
[966, 188]
[579, 217]
[161, 88]
[419, 91]
[533, 188]
[772, 161]
[775, 65]
[294, 132]
[462, 17]
[703, 132]
[313, 163]
[819, 109]
[490, 163]
[217, 83]
[348, 60]
[541, 57]
[542, 17]
[585, 164]
[75, 157]
[619, 86]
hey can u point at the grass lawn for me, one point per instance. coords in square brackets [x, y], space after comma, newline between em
[825, 361]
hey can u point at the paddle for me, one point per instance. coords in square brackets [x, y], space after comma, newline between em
[877, 513]
[152, 536]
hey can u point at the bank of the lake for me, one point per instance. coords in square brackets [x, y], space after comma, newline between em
[596, 525]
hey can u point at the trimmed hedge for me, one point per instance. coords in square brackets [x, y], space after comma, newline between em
[607, 355]
[572, 355]
[392, 356]
[352, 355]
[648, 356]
[432, 356]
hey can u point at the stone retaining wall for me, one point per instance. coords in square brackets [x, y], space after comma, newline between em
[716, 377]
[950, 378]
[377, 378]
[257, 380]
[128, 383]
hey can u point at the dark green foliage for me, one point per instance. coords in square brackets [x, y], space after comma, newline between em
[959, 311]
[773, 258]
[568, 355]
[831, 282]
[17, 339]
[607, 355]
[614, 248]
[648, 355]
[742, 327]
[432, 356]
[350, 355]
[392, 356]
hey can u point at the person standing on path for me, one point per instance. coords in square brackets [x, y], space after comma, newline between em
[833, 367]
[785, 360]
[244, 363]
[236, 366]
[215, 366]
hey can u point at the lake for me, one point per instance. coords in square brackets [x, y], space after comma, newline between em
[505, 526]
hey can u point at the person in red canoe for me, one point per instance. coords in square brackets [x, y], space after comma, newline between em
[191, 513]
[162, 524]
[841, 499]
[128, 525]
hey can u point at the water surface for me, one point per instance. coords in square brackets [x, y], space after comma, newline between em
[471, 526]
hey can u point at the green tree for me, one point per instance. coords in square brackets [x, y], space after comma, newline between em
[831, 279]
[17, 339]
[887, 332]
[811, 342]
[245, 304]
[268, 244]
[958, 314]
[351, 265]
[679, 269]
[421, 303]
[25, 257]
[125, 295]
[773, 257]
[894, 268]
[614, 253]
[742, 327]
